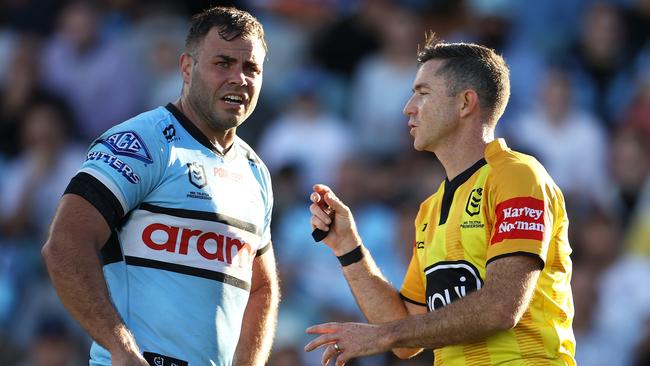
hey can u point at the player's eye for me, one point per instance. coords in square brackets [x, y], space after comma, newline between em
[254, 70]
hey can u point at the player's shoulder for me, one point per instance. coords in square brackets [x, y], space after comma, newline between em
[151, 123]
[139, 136]
[249, 153]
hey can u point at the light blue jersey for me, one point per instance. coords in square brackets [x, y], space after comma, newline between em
[187, 224]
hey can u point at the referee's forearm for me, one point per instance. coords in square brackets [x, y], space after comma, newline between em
[377, 298]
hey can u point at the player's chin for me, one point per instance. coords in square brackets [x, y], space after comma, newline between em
[233, 115]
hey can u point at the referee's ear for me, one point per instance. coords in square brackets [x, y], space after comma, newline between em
[468, 102]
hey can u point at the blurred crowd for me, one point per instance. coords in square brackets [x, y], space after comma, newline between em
[337, 76]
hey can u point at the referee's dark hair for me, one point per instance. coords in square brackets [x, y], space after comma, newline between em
[471, 66]
[230, 22]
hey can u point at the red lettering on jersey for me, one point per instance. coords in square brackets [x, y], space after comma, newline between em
[169, 244]
[209, 245]
[519, 218]
[239, 248]
[186, 235]
[218, 252]
[224, 173]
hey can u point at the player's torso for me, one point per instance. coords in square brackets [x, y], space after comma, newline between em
[206, 213]
[188, 250]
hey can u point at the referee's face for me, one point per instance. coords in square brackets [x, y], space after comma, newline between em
[226, 78]
[431, 110]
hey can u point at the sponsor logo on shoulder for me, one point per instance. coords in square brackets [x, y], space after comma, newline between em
[115, 163]
[450, 281]
[519, 218]
[170, 133]
[128, 143]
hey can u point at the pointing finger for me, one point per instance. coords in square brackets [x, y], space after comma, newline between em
[322, 328]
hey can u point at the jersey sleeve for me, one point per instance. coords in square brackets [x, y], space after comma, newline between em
[521, 213]
[122, 167]
[413, 289]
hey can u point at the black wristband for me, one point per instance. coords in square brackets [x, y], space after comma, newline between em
[352, 256]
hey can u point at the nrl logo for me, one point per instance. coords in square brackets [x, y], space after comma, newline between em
[473, 206]
[196, 174]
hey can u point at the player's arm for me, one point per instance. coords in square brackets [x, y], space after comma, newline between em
[377, 298]
[499, 305]
[71, 254]
[260, 316]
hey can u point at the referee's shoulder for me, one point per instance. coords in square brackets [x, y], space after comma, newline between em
[511, 164]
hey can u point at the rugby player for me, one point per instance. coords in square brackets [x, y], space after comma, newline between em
[161, 245]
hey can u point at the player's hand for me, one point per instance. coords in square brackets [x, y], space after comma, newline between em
[342, 236]
[342, 342]
[128, 359]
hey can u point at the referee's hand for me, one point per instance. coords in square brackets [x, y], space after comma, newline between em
[330, 214]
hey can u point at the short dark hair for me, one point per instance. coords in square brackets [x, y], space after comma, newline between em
[231, 23]
[471, 66]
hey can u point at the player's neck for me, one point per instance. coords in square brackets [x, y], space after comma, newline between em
[463, 152]
[221, 140]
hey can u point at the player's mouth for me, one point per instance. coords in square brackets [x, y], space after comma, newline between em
[234, 99]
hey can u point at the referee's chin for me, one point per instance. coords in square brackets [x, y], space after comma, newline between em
[418, 147]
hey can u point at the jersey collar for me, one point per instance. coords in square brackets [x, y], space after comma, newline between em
[194, 131]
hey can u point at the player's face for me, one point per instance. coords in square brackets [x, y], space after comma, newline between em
[225, 80]
[431, 110]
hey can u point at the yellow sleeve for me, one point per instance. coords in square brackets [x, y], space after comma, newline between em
[413, 289]
[521, 211]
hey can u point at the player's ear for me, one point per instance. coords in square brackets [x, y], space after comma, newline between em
[468, 102]
[186, 63]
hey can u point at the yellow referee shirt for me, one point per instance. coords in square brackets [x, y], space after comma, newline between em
[505, 204]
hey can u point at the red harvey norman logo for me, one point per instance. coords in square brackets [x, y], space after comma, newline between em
[209, 245]
[519, 218]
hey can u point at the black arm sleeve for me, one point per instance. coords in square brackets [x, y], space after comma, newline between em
[95, 192]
